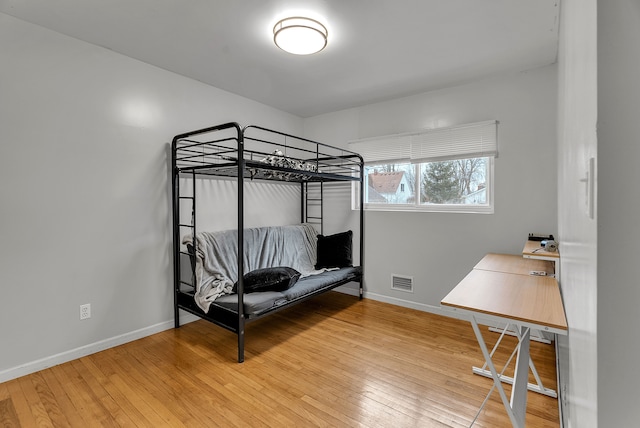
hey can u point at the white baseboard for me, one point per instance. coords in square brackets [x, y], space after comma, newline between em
[92, 348]
[437, 310]
[406, 303]
[63, 357]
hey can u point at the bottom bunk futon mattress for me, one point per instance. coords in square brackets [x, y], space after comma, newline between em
[259, 301]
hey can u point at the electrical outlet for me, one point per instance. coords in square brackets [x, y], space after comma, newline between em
[85, 311]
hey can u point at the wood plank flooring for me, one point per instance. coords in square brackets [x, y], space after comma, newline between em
[332, 361]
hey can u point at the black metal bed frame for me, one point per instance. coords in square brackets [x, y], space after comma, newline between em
[227, 150]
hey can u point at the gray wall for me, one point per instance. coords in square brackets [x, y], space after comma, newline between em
[618, 289]
[85, 211]
[439, 249]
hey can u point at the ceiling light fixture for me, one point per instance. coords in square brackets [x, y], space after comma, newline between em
[300, 36]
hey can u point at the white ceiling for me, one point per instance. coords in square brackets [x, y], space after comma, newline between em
[377, 50]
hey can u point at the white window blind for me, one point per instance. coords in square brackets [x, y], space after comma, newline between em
[396, 148]
[431, 145]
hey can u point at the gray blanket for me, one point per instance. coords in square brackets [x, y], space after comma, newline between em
[216, 256]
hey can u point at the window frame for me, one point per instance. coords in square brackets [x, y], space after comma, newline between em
[487, 208]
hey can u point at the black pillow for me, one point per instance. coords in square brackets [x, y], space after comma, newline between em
[269, 279]
[335, 250]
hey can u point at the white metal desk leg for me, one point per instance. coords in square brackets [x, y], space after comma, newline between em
[496, 377]
[539, 387]
[521, 377]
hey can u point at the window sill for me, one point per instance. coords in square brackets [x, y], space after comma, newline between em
[456, 209]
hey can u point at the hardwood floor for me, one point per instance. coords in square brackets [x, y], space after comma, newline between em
[332, 361]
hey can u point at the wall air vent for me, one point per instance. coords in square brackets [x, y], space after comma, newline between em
[402, 283]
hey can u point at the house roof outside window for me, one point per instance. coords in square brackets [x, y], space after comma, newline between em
[385, 182]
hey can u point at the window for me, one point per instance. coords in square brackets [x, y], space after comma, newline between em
[453, 185]
[448, 169]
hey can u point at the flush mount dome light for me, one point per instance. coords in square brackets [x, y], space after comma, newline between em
[300, 36]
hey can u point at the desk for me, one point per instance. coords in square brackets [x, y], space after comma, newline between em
[513, 264]
[533, 250]
[523, 301]
[509, 263]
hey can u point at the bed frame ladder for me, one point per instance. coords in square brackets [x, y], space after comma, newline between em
[178, 226]
[312, 208]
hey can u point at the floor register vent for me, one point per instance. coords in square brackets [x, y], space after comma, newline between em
[402, 283]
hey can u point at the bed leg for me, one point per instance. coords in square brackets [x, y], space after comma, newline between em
[241, 345]
[176, 312]
[361, 290]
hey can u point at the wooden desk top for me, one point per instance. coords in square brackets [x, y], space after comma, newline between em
[533, 249]
[532, 299]
[509, 263]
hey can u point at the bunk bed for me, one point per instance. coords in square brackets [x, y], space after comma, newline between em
[232, 287]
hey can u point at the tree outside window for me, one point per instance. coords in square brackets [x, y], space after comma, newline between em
[460, 181]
